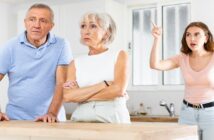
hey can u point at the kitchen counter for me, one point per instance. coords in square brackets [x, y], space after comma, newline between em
[27, 130]
[153, 118]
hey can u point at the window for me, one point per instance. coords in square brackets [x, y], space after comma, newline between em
[173, 18]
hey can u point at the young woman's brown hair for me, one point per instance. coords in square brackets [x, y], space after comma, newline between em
[209, 46]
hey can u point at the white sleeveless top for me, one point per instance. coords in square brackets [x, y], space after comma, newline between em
[93, 69]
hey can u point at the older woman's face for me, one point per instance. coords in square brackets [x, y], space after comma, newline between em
[91, 33]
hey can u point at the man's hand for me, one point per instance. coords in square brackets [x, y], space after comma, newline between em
[3, 117]
[49, 118]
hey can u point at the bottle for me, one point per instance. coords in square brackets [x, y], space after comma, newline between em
[142, 110]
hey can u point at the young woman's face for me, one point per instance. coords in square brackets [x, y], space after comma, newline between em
[196, 38]
[91, 33]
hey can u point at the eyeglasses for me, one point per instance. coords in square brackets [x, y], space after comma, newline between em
[35, 20]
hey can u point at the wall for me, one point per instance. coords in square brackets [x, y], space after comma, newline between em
[8, 29]
[8, 22]
[151, 101]
[203, 11]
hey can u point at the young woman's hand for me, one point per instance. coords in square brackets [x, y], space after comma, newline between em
[156, 31]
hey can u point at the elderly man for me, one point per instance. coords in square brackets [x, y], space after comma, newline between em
[36, 63]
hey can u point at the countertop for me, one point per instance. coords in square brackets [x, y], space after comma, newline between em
[153, 118]
[97, 131]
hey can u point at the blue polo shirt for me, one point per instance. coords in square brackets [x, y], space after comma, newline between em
[31, 73]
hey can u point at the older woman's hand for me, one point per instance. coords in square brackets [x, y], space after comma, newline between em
[70, 84]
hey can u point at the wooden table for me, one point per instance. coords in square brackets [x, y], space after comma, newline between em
[27, 130]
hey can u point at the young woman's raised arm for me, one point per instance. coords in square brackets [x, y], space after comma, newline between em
[155, 61]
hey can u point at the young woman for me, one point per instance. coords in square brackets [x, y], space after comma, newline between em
[196, 62]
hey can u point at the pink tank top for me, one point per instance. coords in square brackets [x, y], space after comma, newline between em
[199, 85]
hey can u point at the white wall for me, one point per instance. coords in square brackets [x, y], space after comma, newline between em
[8, 29]
[151, 101]
[4, 22]
[203, 11]
[8, 22]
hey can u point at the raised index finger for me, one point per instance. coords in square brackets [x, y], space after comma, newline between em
[154, 25]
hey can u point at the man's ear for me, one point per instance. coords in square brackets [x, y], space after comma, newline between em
[52, 25]
[25, 21]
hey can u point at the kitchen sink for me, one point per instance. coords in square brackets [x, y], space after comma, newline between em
[148, 118]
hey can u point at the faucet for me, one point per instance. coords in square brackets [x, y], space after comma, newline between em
[170, 108]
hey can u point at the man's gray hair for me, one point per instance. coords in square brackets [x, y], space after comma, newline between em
[43, 6]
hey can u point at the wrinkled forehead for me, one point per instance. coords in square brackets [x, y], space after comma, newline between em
[39, 12]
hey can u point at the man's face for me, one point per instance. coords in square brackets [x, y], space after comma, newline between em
[38, 24]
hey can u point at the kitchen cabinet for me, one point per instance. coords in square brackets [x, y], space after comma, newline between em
[27, 130]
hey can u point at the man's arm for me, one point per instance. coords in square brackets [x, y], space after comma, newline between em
[58, 95]
[1, 76]
[56, 102]
[3, 117]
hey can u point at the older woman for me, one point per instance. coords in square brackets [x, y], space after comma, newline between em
[97, 81]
